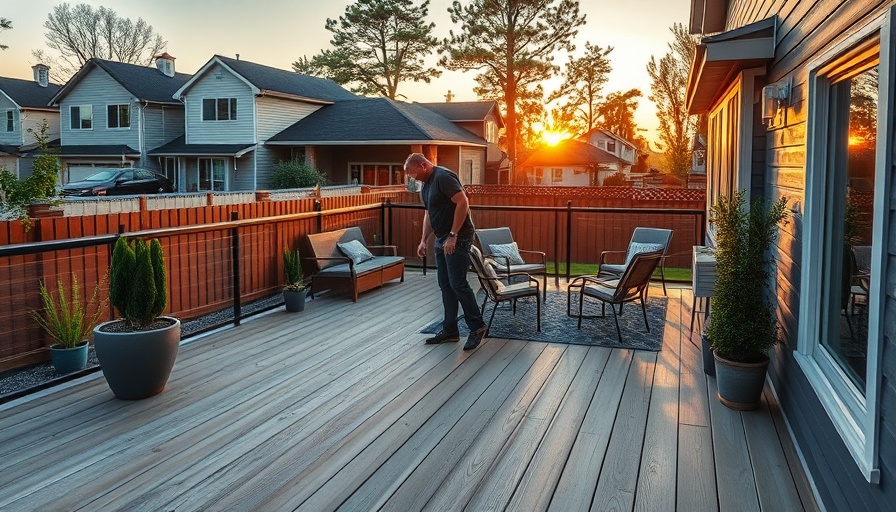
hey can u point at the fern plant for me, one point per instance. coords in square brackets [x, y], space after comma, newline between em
[138, 288]
[743, 325]
[292, 267]
[65, 316]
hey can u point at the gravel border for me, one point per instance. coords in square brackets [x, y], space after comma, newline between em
[17, 383]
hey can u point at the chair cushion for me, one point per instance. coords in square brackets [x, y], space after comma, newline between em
[490, 272]
[355, 250]
[638, 247]
[511, 251]
[375, 264]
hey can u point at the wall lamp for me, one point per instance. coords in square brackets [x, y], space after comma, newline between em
[774, 97]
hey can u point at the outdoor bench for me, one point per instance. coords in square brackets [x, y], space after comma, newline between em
[336, 271]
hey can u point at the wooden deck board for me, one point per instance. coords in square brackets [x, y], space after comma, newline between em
[343, 407]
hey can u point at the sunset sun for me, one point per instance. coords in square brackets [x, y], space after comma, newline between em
[553, 138]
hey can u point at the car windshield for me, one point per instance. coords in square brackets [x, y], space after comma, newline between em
[101, 176]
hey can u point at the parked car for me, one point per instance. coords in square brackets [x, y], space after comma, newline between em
[117, 182]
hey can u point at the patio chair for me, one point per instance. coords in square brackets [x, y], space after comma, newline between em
[496, 291]
[631, 286]
[498, 244]
[861, 274]
[643, 239]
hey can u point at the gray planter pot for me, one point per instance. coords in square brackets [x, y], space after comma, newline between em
[137, 364]
[295, 301]
[740, 384]
[68, 360]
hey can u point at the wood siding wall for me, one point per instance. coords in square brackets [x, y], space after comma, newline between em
[98, 89]
[239, 131]
[805, 29]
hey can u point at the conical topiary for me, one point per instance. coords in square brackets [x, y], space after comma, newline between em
[138, 288]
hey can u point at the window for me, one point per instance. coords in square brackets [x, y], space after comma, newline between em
[169, 169]
[82, 117]
[10, 120]
[376, 174]
[219, 109]
[844, 242]
[611, 146]
[557, 175]
[491, 131]
[602, 144]
[118, 116]
[212, 174]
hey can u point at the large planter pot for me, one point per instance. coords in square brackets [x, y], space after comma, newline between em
[137, 364]
[740, 384]
[295, 301]
[68, 360]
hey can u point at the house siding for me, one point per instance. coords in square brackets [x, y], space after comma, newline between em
[162, 124]
[478, 157]
[241, 130]
[98, 89]
[13, 138]
[805, 29]
[33, 119]
[275, 115]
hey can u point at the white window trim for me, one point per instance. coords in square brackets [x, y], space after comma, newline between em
[212, 175]
[71, 117]
[130, 116]
[856, 417]
[6, 121]
[236, 112]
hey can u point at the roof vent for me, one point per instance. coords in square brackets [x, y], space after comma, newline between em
[41, 74]
[165, 63]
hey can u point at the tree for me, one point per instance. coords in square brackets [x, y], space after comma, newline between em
[668, 91]
[5, 24]
[82, 32]
[377, 44]
[617, 113]
[584, 79]
[512, 43]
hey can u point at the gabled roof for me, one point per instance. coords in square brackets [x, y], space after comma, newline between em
[570, 152]
[375, 121]
[179, 147]
[144, 82]
[610, 135]
[28, 93]
[265, 80]
[466, 111]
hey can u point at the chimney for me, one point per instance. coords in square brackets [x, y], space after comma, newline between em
[165, 63]
[41, 74]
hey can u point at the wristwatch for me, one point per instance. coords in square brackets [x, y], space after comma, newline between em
[451, 234]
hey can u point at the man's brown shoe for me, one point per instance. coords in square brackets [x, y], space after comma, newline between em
[442, 337]
[474, 339]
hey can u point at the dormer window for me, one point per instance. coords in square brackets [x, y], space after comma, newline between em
[611, 146]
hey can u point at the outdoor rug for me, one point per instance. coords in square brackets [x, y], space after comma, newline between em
[557, 327]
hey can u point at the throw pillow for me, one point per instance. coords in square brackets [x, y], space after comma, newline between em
[355, 250]
[638, 247]
[490, 272]
[511, 251]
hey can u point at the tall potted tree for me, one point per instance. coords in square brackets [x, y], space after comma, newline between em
[743, 325]
[137, 352]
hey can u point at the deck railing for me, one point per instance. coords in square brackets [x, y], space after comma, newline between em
[219, 267]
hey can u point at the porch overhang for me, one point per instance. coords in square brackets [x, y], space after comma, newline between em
[373, 142]
[721, 57]
[178, 147]
[99, 151]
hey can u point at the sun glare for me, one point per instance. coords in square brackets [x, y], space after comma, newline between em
[553, 138]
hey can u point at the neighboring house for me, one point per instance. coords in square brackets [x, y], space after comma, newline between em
[799, 98]
[570, 163]
[112, 114]
[24, 106]
[232, 108]
[366, 141]
[484, 119]
[615, 145]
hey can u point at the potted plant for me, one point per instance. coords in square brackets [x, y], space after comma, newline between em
[69, 320]
[743, 325]
[137, 352]
[295, 291]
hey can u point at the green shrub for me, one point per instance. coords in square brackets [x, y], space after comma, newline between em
[40, 186]
[296, 174]
[66, 317]
[743, 324]
[138, 287]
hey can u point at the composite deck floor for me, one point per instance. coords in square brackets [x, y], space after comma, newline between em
[342, 407]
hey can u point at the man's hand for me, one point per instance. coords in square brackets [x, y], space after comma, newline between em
[421, 249]
[450, 245]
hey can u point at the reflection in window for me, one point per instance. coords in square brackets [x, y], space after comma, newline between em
[211, 174]
[376, 174]
[849, 220]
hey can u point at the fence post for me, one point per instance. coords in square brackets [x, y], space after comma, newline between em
[235, 247]
[568, 238]
[318, 206]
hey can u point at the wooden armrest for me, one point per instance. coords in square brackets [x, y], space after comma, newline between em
[382, 249]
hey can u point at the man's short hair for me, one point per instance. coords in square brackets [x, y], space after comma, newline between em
[414, 159]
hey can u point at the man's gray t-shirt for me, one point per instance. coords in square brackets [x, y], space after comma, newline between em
[436, 194]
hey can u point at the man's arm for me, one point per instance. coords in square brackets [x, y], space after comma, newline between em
[461, 207]
[427, 230]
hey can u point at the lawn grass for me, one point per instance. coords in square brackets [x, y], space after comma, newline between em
[576, 269]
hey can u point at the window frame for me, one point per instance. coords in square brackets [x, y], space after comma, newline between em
[854, 415]
[211, 163]
[10, 120]
[360, 167]
[118, 107]
[232, 112]
[79, 117]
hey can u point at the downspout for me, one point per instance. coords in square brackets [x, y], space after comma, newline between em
[141, 135]
[255, 140]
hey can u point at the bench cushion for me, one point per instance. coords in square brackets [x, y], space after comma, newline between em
[376, 263]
